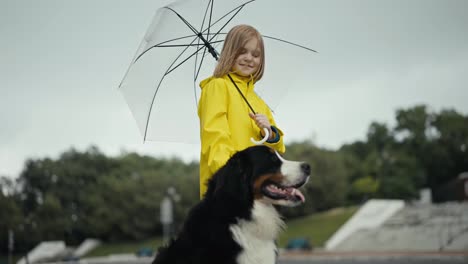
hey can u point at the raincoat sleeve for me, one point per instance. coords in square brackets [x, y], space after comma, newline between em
[215, 131]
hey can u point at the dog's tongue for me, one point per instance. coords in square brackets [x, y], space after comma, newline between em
[291, 192]
[296, 192]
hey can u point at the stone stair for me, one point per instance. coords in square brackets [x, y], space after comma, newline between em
[416, 227]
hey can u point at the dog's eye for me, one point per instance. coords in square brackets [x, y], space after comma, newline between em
[274, 158]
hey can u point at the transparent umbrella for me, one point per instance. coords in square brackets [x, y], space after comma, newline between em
[181, 47]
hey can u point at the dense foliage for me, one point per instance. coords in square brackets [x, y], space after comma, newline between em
[88, 194]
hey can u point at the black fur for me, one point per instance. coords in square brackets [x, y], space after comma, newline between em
[205, 237]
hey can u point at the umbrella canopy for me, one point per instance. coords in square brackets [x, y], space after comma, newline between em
[180, 48]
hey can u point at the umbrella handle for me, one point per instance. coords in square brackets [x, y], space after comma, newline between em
[263, 140]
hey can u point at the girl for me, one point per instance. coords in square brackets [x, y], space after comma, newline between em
[226, 121]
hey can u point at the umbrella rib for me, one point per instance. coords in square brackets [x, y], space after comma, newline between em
[194, 30]
[159, 85]
[291, 43]
[211, 15]
[204, 16]
[183, 20]
[160, 44]
[186, 59]
[178, 45]
[239, 8]
[204, 51]
[199, 34]
[197, 70]
[169, 70]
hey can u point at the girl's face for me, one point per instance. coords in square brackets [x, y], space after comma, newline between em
[248, 61]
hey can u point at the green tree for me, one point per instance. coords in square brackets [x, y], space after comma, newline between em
[437, 141]
[448, 155]
[379, 167]
[327, 186]
[10, 213]
[364, 188]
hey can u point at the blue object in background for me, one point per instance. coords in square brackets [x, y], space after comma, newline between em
[144, 252]
[299, 244]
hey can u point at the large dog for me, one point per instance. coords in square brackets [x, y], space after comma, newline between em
[236, 222]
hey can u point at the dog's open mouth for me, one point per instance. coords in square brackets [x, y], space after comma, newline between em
[277, 192]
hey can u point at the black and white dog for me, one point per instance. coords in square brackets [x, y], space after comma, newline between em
[236, 221]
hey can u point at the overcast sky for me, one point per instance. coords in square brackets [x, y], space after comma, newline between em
[61, 62]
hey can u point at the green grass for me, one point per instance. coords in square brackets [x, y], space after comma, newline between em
[317, 228]
[125, 248]
[5, 260]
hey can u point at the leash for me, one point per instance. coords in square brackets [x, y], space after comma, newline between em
[267, 133]
[243, 97]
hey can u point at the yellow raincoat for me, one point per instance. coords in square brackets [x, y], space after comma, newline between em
[225, 125]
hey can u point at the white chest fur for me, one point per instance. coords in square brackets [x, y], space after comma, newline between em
[257, 236]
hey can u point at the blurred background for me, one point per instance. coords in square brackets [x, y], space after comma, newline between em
[382, 118]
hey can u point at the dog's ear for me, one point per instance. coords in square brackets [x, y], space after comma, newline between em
[233, 180]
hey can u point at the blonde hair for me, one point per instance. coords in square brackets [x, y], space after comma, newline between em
[235, 40]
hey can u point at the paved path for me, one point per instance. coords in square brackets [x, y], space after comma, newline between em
[373, 261]
[374, 258]
[319, 257]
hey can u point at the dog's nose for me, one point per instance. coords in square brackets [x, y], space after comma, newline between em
[305, 168]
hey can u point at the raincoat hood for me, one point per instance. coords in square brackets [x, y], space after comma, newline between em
[237, 78]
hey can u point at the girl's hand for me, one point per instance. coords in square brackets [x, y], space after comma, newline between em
[262, 122]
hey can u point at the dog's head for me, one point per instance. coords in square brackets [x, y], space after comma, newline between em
[260, 173]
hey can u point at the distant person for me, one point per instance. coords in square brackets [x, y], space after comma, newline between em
[226, 121]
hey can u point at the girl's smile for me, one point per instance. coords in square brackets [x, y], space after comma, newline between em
[248, 61]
